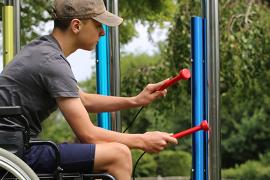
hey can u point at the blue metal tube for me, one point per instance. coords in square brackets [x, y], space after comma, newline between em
[197, 97]
[103, 75]
[205, 117]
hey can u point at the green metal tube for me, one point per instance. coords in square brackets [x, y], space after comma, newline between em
[8, 33]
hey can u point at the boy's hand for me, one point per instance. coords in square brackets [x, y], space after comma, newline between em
[155, 142]
[150, 93]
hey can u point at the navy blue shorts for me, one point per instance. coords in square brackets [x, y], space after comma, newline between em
[74, 158]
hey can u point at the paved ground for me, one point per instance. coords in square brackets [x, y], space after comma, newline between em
[164, 178]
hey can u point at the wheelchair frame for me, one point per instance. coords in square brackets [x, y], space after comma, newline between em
[15, 111]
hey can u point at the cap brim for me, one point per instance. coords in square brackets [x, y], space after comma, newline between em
[108, 19]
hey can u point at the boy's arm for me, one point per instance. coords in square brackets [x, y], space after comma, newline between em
[98, 103]
[78, 119]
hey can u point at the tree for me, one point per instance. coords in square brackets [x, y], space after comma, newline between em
[245, 70]
[244, 79]
[35, 13]
[153, 12]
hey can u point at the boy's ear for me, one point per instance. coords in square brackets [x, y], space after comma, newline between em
[76, 25]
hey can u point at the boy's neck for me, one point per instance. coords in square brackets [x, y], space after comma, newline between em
[65, 41]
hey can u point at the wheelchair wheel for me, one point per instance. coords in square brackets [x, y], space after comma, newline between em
[11, 164]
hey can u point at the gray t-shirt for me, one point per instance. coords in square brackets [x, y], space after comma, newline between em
[34, 79]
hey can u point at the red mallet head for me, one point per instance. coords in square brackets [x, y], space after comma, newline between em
[185, 74]
[204, 125]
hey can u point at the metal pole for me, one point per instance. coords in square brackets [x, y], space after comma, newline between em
[115, 67]
[213, 89]
[103, 74]
[198, 155]
[203, 8]
[17, 25]
[205, 70]
[8, 31]
[102, 66]
[103, 84]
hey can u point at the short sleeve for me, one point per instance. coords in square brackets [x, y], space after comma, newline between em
[58, 78]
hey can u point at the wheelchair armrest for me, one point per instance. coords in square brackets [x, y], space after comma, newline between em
[55, 148]
[10, 110]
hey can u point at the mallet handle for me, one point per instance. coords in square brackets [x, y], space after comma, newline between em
[183, 74]
[202, 126]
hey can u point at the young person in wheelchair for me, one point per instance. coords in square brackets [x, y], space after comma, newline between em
[40, 80]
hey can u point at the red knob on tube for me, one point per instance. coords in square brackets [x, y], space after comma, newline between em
[203, 126]
[183, 74]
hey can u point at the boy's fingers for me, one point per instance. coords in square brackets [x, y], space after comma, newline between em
[159, 84]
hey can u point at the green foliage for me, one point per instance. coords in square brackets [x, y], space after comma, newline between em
[166, 163]
[90, 86]
[147, 165]
[244, 85]
[248, 171]
[244, 80]
[147, 10]
[172, 113]
[33, 15]
[161, 115]
[129, 62]
[177, 53]
[36, 13]
[155, 12]
[265, 158]
[57, 129]
[174, 163]
[136, 70]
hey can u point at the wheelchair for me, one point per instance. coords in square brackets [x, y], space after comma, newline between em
[13, 144]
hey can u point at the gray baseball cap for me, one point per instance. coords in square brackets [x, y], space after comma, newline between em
[85, 9]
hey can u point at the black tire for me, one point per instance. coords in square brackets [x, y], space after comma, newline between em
[14, 165]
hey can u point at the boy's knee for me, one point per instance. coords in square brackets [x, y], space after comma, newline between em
[113, 158]
[122, 151]
[122, 157]
[121, 160]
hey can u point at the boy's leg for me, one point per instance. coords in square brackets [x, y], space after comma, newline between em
[74, 158]
[115, 159]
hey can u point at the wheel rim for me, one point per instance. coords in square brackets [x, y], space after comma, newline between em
[13, 169]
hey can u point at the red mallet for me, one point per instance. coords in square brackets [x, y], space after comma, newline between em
[183, 74]
[202, 126]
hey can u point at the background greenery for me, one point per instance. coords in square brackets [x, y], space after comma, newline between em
[244, 80]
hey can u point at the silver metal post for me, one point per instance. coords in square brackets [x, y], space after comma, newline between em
[115, 66]
[17, 26]
[214, 162]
